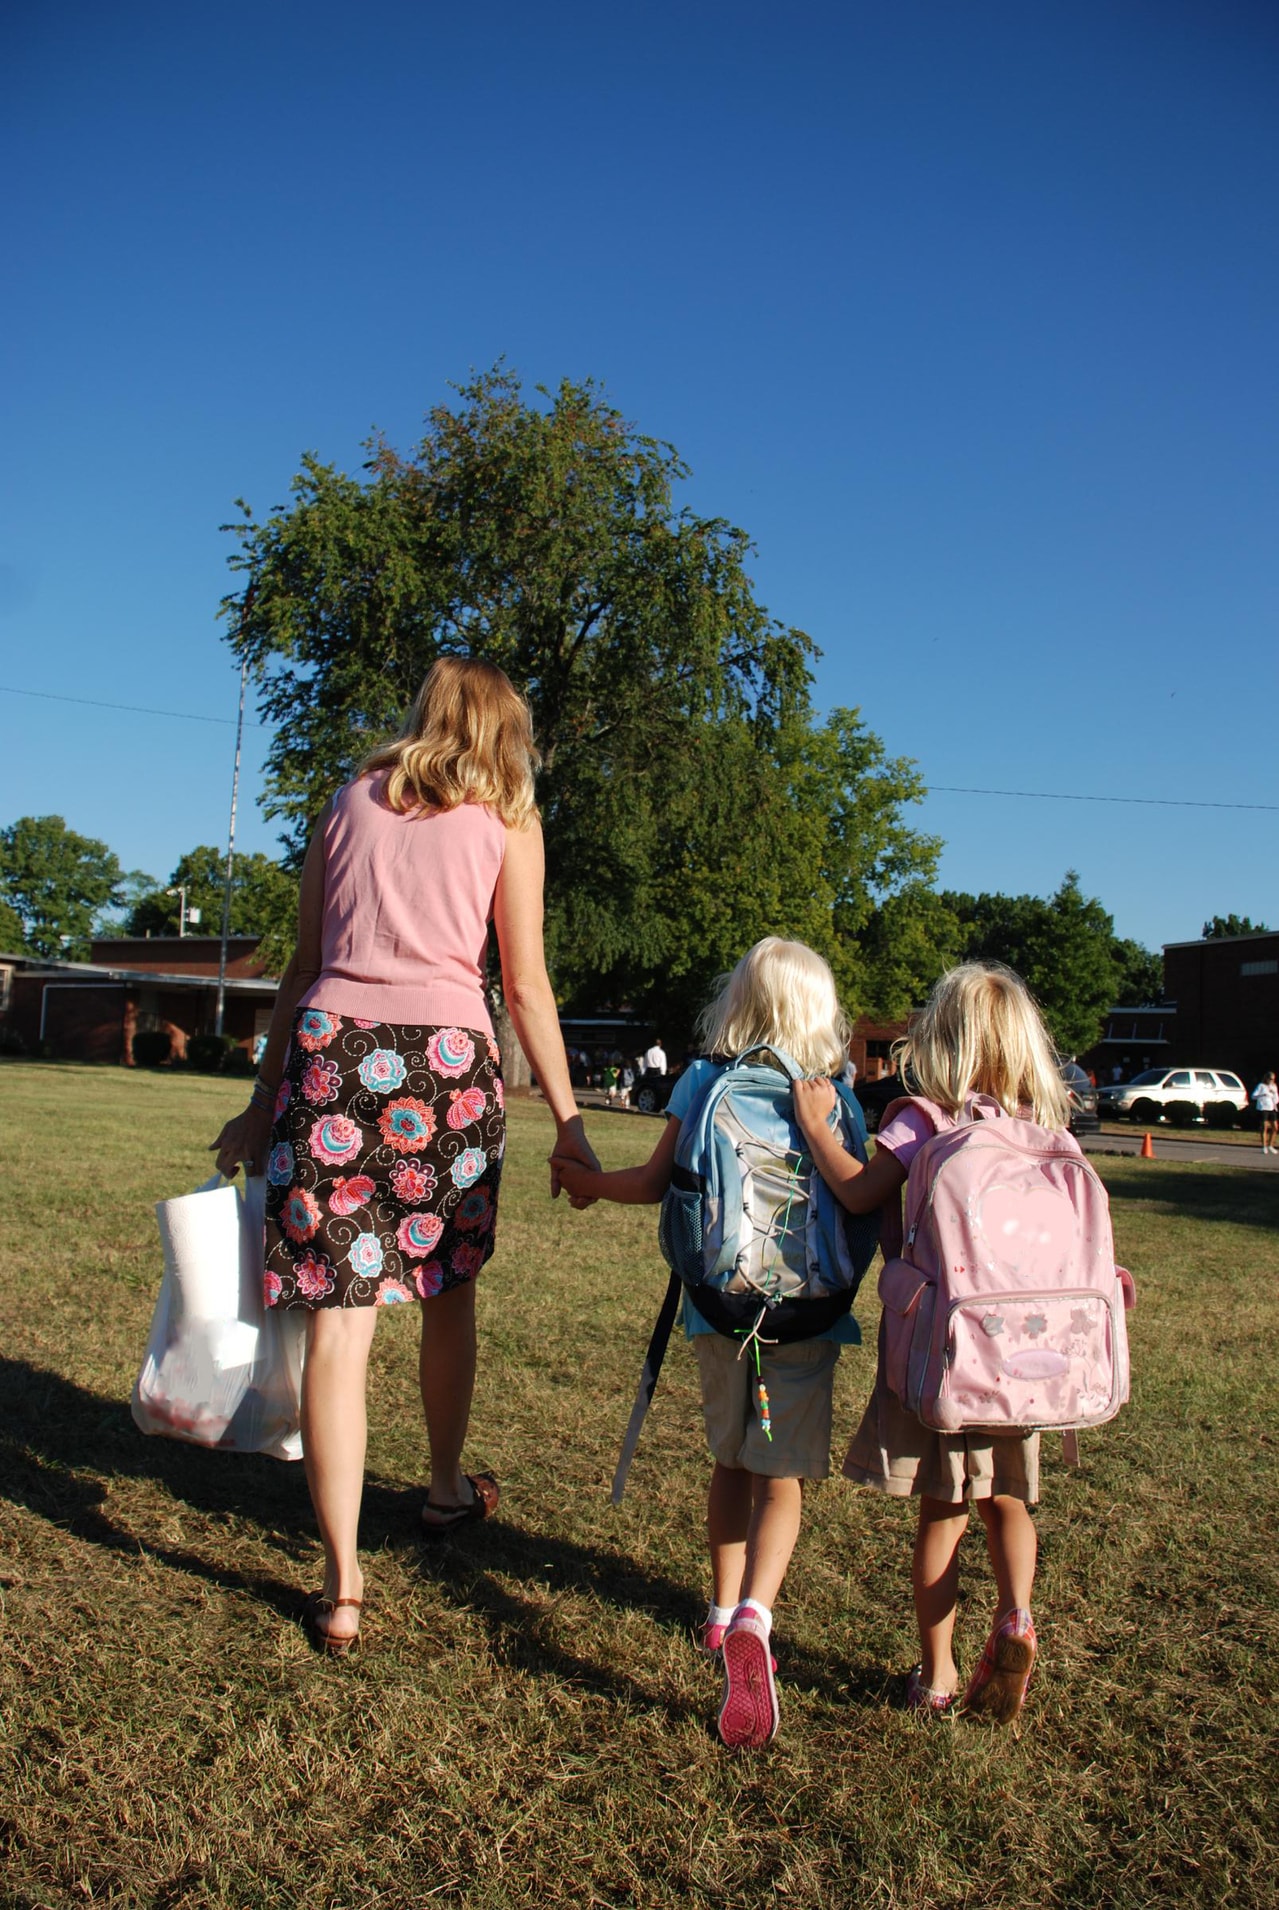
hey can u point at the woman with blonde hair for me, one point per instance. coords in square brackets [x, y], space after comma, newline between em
[378, 1111]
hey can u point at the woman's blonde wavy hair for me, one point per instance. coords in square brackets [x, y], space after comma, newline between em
[782, 994]
[467, 738]
[980, 1032]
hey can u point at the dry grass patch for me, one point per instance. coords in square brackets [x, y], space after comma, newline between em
[529, 1723]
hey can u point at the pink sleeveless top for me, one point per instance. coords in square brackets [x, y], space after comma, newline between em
[407, 901]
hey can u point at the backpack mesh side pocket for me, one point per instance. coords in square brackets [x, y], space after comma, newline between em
[679, 1231]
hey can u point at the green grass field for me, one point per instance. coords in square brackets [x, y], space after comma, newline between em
[529, 1723]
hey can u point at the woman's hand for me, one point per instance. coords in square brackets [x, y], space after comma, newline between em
[571, 1147]
[244, 1139]
[573, 1177]
[813, 1102]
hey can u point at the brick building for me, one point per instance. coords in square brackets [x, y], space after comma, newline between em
[90, 1011]
[1226, 991]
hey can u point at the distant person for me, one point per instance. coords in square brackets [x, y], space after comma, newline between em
[1116, 1074]
[655, 1058]
[625, 1082]
[768, 1429]
[1265, 1098]
[384, 1161]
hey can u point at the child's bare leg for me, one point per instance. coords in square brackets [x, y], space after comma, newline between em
[935, 1580]
[728, 1517]
[776, 1507]
[1013, 1543]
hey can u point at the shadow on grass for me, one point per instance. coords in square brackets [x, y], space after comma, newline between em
[1245, 1198]
[61, 1446]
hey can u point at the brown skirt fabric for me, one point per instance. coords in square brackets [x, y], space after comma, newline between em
[386, 1155]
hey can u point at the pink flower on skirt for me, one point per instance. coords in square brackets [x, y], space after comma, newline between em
[412, 1183]
[272, 1287]
[321, 1081]
[467, 1261]
[407, 1124]
[465, 1105]
[429, 1279]
[450, 1051]
[300, 1216]
[314, 1275]
[392, 1292]
[349, 1195]
[418, 1234]
[335, 1139]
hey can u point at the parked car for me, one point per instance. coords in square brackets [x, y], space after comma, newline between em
[1180, 1096]
[653, 1090]
[1082, 1095]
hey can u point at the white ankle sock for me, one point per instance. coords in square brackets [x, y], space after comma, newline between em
[760, 1611]
[718, 1614]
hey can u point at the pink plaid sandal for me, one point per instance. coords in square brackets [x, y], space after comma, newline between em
[997, 1689]
[924, 1700]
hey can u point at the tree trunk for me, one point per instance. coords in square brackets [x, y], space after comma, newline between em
[515, 1069]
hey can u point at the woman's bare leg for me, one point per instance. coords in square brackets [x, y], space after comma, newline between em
[334, 1438]
[446, 1369]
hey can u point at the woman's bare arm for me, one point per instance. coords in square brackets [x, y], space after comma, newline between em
[517, 917]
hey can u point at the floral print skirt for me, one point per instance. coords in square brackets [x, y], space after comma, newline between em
[385, 1159]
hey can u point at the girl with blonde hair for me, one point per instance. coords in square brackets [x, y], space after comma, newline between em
[780, 995]
[980, 1033]
[378, 1111]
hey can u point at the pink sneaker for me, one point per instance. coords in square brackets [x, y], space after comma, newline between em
[712, 1641]
[997, 1689]
[748, 1715]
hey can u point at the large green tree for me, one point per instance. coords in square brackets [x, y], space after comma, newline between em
[57, 884]
[1062, 947]
[1139, 975]
[263, 896]
[690, 797]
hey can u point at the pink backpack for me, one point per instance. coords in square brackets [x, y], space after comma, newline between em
[1003, 1309]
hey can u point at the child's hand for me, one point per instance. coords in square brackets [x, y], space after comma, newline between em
[813, 1102]
[574, 1178]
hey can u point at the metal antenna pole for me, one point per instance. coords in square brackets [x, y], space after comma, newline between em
[230, 841]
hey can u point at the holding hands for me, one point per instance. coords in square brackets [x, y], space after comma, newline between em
[573, 1161]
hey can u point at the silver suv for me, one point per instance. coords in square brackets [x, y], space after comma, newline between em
[1181, 1096]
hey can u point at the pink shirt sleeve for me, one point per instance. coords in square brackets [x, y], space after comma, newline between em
[905, 1134]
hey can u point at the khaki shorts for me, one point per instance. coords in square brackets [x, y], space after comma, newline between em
[799, 1379]
[893, 1452]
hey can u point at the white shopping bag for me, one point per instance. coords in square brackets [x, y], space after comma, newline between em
[221, 1369]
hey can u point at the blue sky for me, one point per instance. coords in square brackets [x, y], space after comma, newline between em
[966, 314]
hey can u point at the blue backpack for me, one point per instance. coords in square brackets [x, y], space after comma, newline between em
[748, 1226]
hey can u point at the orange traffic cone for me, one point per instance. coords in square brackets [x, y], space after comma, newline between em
[1147, 1149]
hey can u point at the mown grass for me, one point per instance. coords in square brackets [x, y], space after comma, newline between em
[529, 1723]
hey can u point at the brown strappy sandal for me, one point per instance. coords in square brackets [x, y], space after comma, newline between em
[448, 1518]
[318, 1606]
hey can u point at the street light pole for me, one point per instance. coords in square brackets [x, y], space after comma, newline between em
[230, 841]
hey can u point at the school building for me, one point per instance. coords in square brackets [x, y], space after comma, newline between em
[1220, 1010]
[91, 1011]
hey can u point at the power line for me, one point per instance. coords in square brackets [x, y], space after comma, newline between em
[1058, 795]
[134, 709]
[933, 789]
